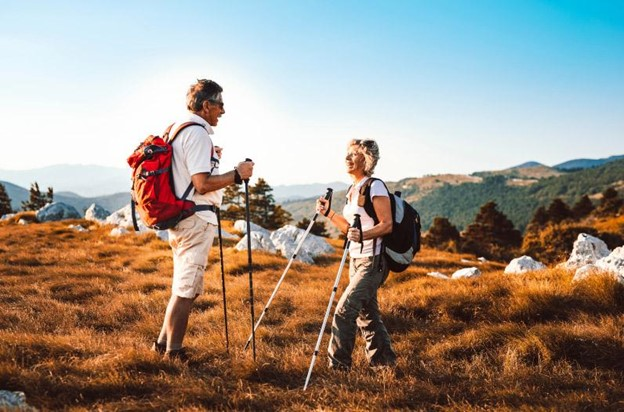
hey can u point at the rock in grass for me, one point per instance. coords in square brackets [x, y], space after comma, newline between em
[466, 273]
[288, 237]
[96, 213]
[14, 401]
[259, 241]
[241, 226]
[438, 275]
[612, 265]
[587, 249]
[118, 231]
[56, 211]
[523, 264]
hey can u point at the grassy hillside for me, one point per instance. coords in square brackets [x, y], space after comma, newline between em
[461, 203]
[79, 310]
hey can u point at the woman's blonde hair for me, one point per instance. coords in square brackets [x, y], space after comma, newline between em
[369, 149]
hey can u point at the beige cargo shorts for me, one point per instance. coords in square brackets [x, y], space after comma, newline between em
[190, 241]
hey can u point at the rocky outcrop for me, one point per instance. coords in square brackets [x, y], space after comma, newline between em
[96, 213]
[523, 264]
[587, 250]
[241, 226]
[56, 211]
[613, 265]
[288, 237]
[260, 240]
[123, 218]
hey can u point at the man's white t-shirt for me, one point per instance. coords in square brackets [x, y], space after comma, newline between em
[351, 208]
[193, 152]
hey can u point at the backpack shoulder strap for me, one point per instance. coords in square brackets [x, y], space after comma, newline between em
[366, 201]
[178, 130]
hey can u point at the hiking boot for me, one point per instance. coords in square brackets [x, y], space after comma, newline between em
[159, 348]
[180, 354]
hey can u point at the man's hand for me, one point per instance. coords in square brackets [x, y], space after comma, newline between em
[245, 169]
[218, 150]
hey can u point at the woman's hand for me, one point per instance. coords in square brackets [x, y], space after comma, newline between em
[322, 205]
[354, 235]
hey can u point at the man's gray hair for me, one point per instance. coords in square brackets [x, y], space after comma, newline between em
[370, 150]
[200, 92]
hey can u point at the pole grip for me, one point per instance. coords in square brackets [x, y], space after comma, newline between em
[247, 160]
[328, 196]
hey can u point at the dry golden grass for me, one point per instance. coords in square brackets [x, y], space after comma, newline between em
[78, 312]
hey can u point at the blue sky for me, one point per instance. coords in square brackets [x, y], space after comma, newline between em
[444, 86]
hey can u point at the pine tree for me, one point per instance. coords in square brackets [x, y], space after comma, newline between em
[610, 204]
[233, 195]
[442, 235]
[492, 234]
[540, 218]
[583, 207]
[262, 208]
[49, 197]
[232, 201]
[318, 228]
[260, 201]
[37, 200]
[558, 211]
[5, 201]
[278, 217]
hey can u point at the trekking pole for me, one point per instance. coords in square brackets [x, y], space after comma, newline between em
[328, 196]
[227, 339]
[356, 223]
[251, 296]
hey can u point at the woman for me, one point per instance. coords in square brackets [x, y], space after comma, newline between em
[358, 306]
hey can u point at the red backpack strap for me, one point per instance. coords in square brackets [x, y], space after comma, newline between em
[178, 130]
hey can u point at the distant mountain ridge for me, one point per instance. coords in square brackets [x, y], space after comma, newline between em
[518, 190]
[578, 164]
[84, 180]
[111, 203]
[459, 197]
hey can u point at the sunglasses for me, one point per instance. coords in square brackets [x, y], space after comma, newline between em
[216, 103]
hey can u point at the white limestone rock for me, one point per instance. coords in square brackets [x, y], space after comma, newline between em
[241, 226]
[162, 234]
[288, 237]
[466, 273]
[523, 264]
[438, 275]
[78, 228]
[227, 235]
[14, 401]
[22, 222]
[586, 271]
[123, 218]
[118, 231]
[96, 213]
[259, 241]
[587, 249]
[613, 265]
[56, 211]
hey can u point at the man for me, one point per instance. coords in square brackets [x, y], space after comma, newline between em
[196, 161]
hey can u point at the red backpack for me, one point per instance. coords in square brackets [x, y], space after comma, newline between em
[153, 191]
